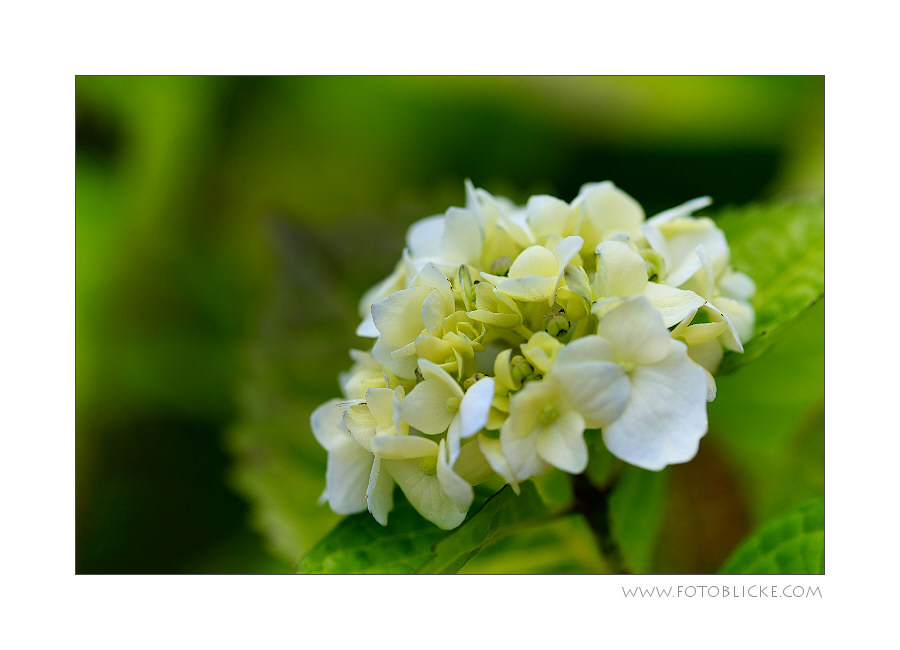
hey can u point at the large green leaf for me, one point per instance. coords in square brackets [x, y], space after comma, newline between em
[501, 515]
[359, 544]
[411, 544]
[782, 247]
[791, 544]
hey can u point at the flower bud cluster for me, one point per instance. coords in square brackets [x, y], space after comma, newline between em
[505, 332]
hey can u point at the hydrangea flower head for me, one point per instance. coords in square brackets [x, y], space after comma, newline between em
[506, 332]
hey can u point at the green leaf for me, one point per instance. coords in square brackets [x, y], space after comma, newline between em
[636, 508]
[359, 544]
[636, 504]
[411, 544]
[782, 247]
[791, 544]
[502, 514]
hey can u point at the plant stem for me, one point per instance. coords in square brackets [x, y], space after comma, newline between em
[592, 502]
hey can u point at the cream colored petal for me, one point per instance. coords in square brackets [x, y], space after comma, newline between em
[459, 491]
[426, 407]
[548, 215]
[327, 424]
[431, 276]
[620, 270]
[534, 260]
[472, 415]
[366, 328]
[403, 447]
[361, 424]
[740, 314]
[471, 464]
[585, 349]
[347, 477]
[424, 237]
[598, 390]
[518, 436]
[462, 239]
[561, 443]
[425, 493]
[541, 350]
[736, 285]
[398, 317]
[493, 453]
[681, 211]
[380, 493]
[666, 413]
[608, 211]
[674, 305]
[708, 355]
[529, 289]
[381, 403]
[636, 331]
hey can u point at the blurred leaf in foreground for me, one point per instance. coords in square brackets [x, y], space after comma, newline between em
[791, 544]
[411, 544]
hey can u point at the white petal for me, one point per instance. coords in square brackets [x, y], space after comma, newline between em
[740, 314]
[462, 239]
[587, 348]
[432, 276]
[529, 289]
[347, 477]
[680, 211]
[475, 406]
[403, 447]
[518, 435]
[425, 408]
[609, 210]
[674, 305]
[561, 443]
[459, 491]
[367, 327]
[737, 285]
[598, 390]
[548, 215]
[565, 250]
[380, 493]
[620, 270]
[424, 237]
[636, 331]
[665, 416]
[534, 260]
[708, 355]
[472, 416]
[472, 465]
[493, 453]
[433, 314]
[381, 403]
[425, 493]
[327, 424]
[361, 424]
[398, 317]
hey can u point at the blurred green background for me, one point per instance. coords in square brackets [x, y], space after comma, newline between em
[226, 228]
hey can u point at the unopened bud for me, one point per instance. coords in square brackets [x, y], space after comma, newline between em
[468, 383]
[556, 323]
[520, 369]
[501, 265]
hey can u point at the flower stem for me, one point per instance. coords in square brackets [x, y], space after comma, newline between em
[592, 503]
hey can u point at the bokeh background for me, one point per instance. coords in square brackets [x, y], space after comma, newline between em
[226, 228]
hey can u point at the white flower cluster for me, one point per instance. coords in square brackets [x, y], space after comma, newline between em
[505, 332]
